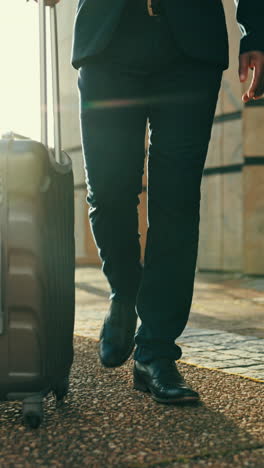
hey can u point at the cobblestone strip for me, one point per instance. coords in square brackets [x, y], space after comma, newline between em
[229, 352]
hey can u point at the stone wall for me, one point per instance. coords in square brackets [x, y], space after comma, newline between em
[232, 214]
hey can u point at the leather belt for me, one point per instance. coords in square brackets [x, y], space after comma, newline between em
[153, 7]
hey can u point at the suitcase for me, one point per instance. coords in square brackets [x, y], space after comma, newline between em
[37, 258]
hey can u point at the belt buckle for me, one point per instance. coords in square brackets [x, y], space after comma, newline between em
[150, 8]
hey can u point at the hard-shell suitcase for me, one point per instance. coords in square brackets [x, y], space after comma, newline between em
[37, 258]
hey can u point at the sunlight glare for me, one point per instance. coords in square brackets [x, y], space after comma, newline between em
[19, 90]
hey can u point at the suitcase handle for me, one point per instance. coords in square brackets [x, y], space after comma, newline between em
[55, 79]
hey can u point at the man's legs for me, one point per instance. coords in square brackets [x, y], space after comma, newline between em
[180, 132]
[113, 128]
[179, 97]
[113, 124]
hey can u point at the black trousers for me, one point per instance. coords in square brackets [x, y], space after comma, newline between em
[142, 75]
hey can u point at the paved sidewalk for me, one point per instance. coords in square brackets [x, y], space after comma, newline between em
[228, 352]
[226, 327]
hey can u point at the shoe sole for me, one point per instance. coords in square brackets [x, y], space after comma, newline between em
[142, 387]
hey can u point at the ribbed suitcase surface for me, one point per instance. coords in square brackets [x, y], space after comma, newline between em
[37, 270]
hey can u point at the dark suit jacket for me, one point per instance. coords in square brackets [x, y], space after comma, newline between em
[198, 26]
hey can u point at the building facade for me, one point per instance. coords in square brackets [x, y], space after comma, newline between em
[232, 205]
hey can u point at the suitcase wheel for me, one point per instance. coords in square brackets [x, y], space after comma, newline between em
[33, 411]
[61, 390]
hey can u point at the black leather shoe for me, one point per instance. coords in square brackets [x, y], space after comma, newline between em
[162, 379]
[117, 334]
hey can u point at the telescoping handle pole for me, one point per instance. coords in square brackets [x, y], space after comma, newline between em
[55, 78]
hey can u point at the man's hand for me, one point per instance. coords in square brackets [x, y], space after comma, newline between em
[255, 61]
[50, 2]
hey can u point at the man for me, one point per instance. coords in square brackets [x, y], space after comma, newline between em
[162, 61]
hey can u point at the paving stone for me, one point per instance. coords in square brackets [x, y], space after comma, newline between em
[237, 363]
[219, 358]
[225, 339]
[240, 353]
[199, 332]
[225, 351]
[246, 372]
[258, 348]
